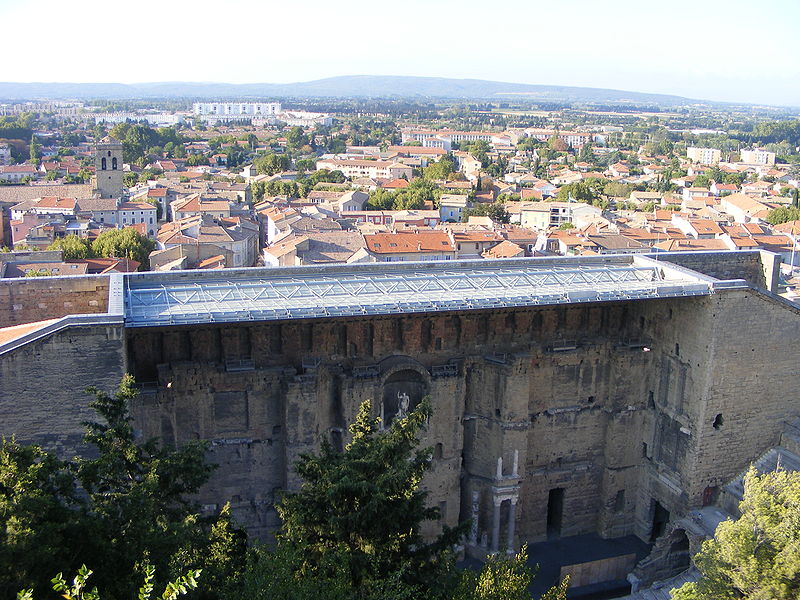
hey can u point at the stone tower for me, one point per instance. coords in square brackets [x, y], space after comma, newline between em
[108, 168]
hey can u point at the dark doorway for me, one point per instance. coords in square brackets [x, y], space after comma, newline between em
[660, 520]
[555, 510]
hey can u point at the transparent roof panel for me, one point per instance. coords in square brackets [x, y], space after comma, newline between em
[188, 297]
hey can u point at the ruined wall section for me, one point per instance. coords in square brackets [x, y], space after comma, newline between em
[612, 403]
[750, 390]
[30, 299]
[758, 267]
[678, 333]
[242, 414]
[42, 385]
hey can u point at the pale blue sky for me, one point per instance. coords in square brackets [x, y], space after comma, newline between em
[712, 49]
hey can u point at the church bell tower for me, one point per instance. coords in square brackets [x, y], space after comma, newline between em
[108, 168]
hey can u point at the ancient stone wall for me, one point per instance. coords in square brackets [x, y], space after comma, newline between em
[549, 421]
[30, 299]
[758, 267]
[42, 384]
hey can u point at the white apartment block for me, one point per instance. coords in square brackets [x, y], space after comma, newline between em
[304, 118]
[5, 154]
[236, 110]
[575, 139]
[374, 169]
[455, 137]
[163, 119]
[757, 157]
[704, 156]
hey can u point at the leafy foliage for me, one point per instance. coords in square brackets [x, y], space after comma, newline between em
[783, 214]
[137, 140]
[123, 243]
[758, 555]
[358, 513]
[133, 510]
[496, 211]
[441, 169]
[74, 248]
[270, 163]
[418, 193]
[38, 518]
[502, 578]
[77, 591]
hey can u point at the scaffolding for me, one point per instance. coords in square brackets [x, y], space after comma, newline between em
[388, 289]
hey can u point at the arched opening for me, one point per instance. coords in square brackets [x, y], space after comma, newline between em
[679, 555]
[114, 164]
[717, 424]
[103, 165]
[402, 392]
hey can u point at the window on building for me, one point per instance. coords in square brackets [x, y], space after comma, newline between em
[114, 164]
[103, 164]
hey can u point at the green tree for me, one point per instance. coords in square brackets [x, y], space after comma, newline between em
[758, 555]
[617, 189]
[270, 163]
[123, 243]
[143, 490]
[783, 214]
[496, 211]
[702, 180]
[504, 578]
[35, 150]
[73, 247]
[79, 591]
[566, 226]
[440, 169]
[195, 160]
[39, 520]
[296, 138]
[586, 190]
[360, 510]
[134, 507]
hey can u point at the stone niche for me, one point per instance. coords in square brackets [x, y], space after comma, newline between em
[405, 384]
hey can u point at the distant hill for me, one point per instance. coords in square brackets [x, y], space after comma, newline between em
[337, 87]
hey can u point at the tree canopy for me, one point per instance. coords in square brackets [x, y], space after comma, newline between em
[414, 197]
[130, 503]
[123, 243]
[758, 555]
[73, 247]
[496, 211]
[783, 214]
[271, 163]
[363, 507]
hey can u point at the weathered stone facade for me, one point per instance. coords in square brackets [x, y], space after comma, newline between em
[548, 421]
[37, 298]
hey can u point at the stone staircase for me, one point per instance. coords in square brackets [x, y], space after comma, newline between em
[786, 457]
[701, 523]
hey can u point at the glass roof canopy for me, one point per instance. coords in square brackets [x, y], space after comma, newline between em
[222, 296]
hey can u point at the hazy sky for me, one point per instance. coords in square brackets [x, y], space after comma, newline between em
[711, 49]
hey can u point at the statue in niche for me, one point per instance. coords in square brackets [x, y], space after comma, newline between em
[402, 405]
[402, 392]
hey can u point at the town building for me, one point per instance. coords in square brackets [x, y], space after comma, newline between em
[222, 111]
[376, 169]
[704, 156]
[757, 157]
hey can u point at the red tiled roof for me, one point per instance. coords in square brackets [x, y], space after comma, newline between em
[392, 243]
